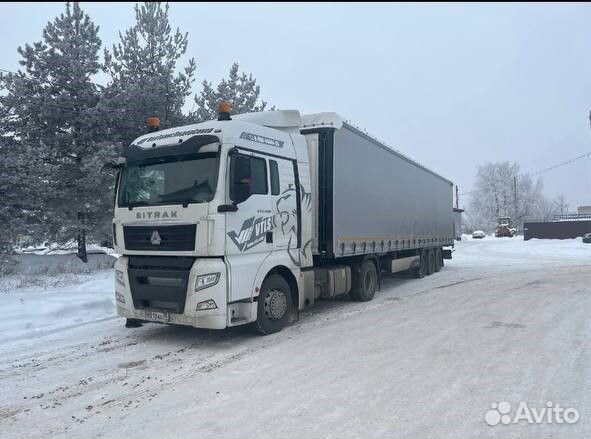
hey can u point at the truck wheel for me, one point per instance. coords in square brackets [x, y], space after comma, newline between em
[365, 282]
[274, 305]
[420, 271]
[438, 260]
[430, 261]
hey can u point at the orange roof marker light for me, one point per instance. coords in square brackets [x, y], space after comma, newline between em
[153, 123]
[224, 109]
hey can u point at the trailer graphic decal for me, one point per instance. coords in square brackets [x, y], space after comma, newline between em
[252, 232]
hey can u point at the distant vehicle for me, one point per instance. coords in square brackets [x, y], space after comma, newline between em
[587, 238]
[504, 228]
[478, 234]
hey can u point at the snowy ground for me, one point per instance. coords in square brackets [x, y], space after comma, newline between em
[504, 320]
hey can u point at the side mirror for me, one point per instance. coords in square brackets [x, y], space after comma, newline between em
[113, 165]
[240, 178]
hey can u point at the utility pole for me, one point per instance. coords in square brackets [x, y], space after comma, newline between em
[514, 200]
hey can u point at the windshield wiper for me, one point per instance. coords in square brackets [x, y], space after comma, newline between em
[188, 191]
[133, 204]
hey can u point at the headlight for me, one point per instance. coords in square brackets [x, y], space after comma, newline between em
[206, 304]
[119, 297]
[206, 280]
[119, 277]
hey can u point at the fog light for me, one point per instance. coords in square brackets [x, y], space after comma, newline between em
[206, 280]
[119, 297]
[119, 277]
[206, 304]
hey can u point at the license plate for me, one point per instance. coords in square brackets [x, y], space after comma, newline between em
[157, 315]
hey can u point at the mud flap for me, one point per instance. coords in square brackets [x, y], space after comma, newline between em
[446, 253]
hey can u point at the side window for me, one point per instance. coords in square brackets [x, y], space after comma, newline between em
[258, 169]
[274, 169]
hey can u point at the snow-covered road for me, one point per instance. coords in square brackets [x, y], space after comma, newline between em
[505, 320]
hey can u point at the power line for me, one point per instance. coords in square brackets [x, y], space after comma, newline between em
[562, 164]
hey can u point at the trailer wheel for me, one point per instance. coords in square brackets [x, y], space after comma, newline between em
[274, 305]
[438, 260]
[430, 261]
[365, 282]
[420, 271]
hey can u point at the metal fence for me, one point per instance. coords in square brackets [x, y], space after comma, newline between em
[564, 229]
[572, 217]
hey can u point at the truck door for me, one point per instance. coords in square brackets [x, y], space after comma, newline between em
[284, 204]
[248, 229]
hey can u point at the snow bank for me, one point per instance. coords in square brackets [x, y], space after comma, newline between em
[28, 312]
[509, 251]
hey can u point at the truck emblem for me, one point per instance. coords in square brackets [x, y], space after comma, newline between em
[155, 238]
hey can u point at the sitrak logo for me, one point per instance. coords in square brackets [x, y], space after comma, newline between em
[155, 239]
[252, 232]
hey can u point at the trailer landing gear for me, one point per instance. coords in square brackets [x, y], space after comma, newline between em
[430, 261]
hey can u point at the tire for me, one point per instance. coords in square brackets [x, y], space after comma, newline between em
[365, 282]
[430, 262]
[274, 305]
[438, 260]
[420, 271]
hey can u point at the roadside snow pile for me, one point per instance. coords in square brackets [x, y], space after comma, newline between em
[49, 271]
[70, 247]
[28, 312]
[509, 251]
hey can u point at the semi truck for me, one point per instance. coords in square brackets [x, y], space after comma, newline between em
[251, 218]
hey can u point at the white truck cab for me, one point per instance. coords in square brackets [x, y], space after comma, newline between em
[205, 213]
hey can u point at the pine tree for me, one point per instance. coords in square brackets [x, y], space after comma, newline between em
[49, 109]
[143, 74]
[240, 88]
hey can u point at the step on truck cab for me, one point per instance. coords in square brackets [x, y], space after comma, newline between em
[253, 217]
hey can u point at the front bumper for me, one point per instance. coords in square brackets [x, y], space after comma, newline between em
[187, 314]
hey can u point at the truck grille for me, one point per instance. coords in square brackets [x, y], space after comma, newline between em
[162, 238]
[159, 282]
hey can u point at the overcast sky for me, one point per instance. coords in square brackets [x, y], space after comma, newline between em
[451, 85]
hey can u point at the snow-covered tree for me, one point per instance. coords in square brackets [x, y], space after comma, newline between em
[49, 109]
[239, 88]
[502, 190]
[144, 77]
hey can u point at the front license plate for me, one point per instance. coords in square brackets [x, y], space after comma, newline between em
[157, 315]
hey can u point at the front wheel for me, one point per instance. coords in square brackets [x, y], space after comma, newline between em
[274, 305]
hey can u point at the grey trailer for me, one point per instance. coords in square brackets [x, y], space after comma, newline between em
[371, 199]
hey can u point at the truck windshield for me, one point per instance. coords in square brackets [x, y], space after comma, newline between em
[169, 180]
